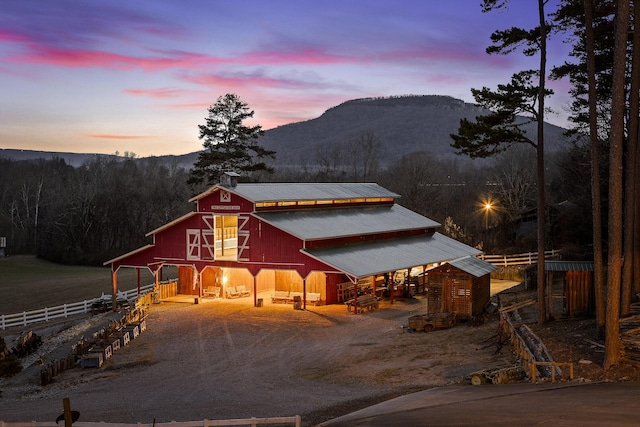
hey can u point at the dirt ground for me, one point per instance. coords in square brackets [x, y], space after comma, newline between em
[224, 359]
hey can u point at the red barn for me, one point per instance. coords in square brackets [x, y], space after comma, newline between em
[309, 238]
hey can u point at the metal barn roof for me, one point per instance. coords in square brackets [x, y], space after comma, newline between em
[568, 265]
[366, 259]
[285, 191]
[474, 266]
[330, 223]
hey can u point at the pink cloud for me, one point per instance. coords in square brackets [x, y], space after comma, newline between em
[111, 136]
[256, 79]
[162, 93]
[10, 36]
[43, 54]
[96, 58]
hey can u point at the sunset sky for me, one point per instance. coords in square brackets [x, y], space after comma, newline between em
[100, 77]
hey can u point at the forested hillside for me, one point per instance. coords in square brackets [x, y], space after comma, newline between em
[402, 125]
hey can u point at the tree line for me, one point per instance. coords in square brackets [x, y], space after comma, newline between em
[89, 214]
[604, 71]
[104, 208]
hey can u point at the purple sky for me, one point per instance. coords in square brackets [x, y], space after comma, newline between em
[138, 76]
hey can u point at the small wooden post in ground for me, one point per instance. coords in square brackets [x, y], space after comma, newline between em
[68, 415]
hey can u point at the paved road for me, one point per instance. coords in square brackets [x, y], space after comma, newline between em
[566, 404]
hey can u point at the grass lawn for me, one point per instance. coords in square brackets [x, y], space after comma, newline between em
[28, 283]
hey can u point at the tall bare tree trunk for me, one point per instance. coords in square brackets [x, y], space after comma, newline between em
[542, 304]
[612, 339]
[628, 271]
[596, 200]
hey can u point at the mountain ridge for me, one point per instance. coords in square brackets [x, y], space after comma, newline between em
[402, 124]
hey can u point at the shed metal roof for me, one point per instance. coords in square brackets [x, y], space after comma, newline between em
[568, 265]
[286, 191]
[474, 266]
[310, 224]
[366, 259]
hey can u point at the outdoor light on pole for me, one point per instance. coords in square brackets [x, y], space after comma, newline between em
[487, 209]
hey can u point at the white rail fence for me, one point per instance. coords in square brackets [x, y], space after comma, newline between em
[65, 310]
[518, 259]
[253, 422]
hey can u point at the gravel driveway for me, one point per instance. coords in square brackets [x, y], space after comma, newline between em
[224, 359]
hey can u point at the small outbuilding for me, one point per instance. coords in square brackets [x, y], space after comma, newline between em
[461, 286]
[570, 288]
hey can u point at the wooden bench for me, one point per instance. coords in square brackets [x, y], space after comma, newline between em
[280, 296]
[232, 292]
[313, 297]
[211, 292]
[369, 302]
[288, 297]
[242, 290]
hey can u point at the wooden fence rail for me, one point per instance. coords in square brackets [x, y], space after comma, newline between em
[530, 357]
[65, 310]
[518, 259]
[253, 422]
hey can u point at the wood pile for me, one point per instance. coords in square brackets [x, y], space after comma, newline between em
[531, 351]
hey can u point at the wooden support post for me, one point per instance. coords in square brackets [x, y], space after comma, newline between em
[355, 298]
[392, 286]
[114, 283]
[304, 293]
[138, 271]
[255, 291]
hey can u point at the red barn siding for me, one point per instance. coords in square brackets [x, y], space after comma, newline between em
[214, 202]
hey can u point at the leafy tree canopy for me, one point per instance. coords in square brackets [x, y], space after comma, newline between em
[229, 145]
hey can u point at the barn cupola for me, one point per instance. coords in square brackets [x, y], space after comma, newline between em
[229, 179]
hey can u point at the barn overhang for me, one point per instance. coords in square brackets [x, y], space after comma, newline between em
[368, 259]
[138, 258]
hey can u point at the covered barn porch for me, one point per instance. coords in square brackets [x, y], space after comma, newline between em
[327, 275]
